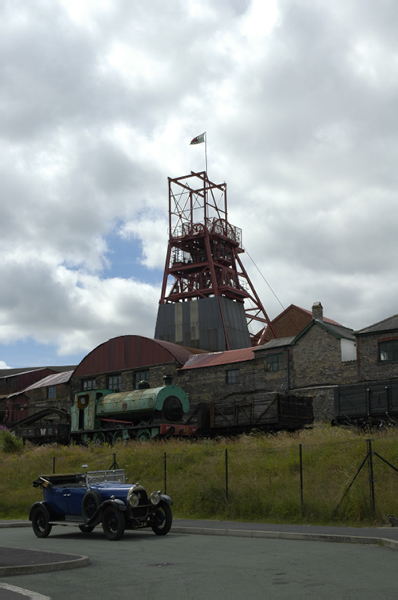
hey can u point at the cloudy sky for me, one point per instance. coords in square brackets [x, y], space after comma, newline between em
[99, 100]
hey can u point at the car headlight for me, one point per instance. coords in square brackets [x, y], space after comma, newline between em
[155, 497]
[132, 498]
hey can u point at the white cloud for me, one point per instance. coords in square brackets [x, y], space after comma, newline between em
[99, 101]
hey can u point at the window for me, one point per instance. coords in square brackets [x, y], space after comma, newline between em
[233, 376]
[52, 391]
[115, 383]
[274, 362]
[388, 350]
[89, 384]
[140, 376]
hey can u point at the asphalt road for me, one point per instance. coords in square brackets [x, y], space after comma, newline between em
[204, 566]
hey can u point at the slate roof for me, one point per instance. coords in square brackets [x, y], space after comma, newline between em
[339, 331]
[278, 343]
[389, 324]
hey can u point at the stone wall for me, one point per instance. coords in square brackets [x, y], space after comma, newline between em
[368, 357]
[210, 383]
[317, 360]
[156, 373]
[39, 398]
[323, 401]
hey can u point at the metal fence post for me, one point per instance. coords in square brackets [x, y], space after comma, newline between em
[226, 473]
[301, 477]
[371, 477]
[165, 472]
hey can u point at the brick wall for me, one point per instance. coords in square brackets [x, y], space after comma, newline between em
[368, 357]
[292, 322]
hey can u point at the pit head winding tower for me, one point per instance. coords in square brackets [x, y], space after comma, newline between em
[212, 304]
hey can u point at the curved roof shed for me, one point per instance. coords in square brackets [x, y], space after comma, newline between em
[131, 352]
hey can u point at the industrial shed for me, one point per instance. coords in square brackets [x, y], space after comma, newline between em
[120, 363]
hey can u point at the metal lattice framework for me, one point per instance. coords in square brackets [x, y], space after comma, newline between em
[203, 250]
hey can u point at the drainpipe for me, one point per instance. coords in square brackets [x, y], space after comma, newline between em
[288, 370]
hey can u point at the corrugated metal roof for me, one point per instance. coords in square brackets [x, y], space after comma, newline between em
[218, 358]
[130, 352]
[47, 382]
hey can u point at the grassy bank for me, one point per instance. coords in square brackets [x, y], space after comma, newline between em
[252, 478]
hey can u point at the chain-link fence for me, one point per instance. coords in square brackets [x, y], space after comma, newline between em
[354, 481]
[336, 482]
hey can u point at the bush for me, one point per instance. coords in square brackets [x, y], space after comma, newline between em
[11, 444]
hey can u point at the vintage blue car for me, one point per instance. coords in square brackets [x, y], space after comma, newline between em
[90, 498]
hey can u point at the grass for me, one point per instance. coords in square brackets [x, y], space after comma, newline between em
[264, 482]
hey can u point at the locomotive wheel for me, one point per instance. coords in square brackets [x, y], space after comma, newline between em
[90, 503]
[113, 523]
[164, 518]
[40, 522]
[144, 435]
[99, 438]
[117, 438]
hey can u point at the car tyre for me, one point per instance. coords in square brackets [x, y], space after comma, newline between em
[113, 523]
[91, 501]
[41, 522]
[86, 528]
[164, 518]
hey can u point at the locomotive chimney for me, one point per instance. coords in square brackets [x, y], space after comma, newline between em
[167, 379]
[143, 385]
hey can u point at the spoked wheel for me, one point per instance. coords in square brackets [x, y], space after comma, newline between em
[117, 438]
[144, 435]
[99, 439]
[113, 523]
[86, 528]
[40, 522]
[163, 519]
[90, 503]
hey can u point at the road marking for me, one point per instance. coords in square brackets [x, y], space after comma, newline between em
[23, 592]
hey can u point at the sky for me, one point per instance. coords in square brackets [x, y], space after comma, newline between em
[99, 100]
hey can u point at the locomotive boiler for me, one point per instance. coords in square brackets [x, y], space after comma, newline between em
[106, 416]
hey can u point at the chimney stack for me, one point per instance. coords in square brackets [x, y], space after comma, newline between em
[317, 311]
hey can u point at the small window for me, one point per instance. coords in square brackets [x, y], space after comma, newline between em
[388, 351]
[140, 376]
[115, 383]
[233, 376]
[52, 391]
[89, 384]
[274, 362]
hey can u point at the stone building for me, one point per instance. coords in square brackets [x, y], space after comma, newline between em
[50, 392]
[311, 363]
[378, 350]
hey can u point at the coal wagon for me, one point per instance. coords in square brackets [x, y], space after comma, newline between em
[266, 412]
[368, 403]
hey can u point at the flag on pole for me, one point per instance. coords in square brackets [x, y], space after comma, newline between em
[198, 140]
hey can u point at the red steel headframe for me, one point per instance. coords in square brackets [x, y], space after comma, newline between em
[203, 250]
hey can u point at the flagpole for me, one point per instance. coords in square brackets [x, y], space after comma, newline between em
[206, 151]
